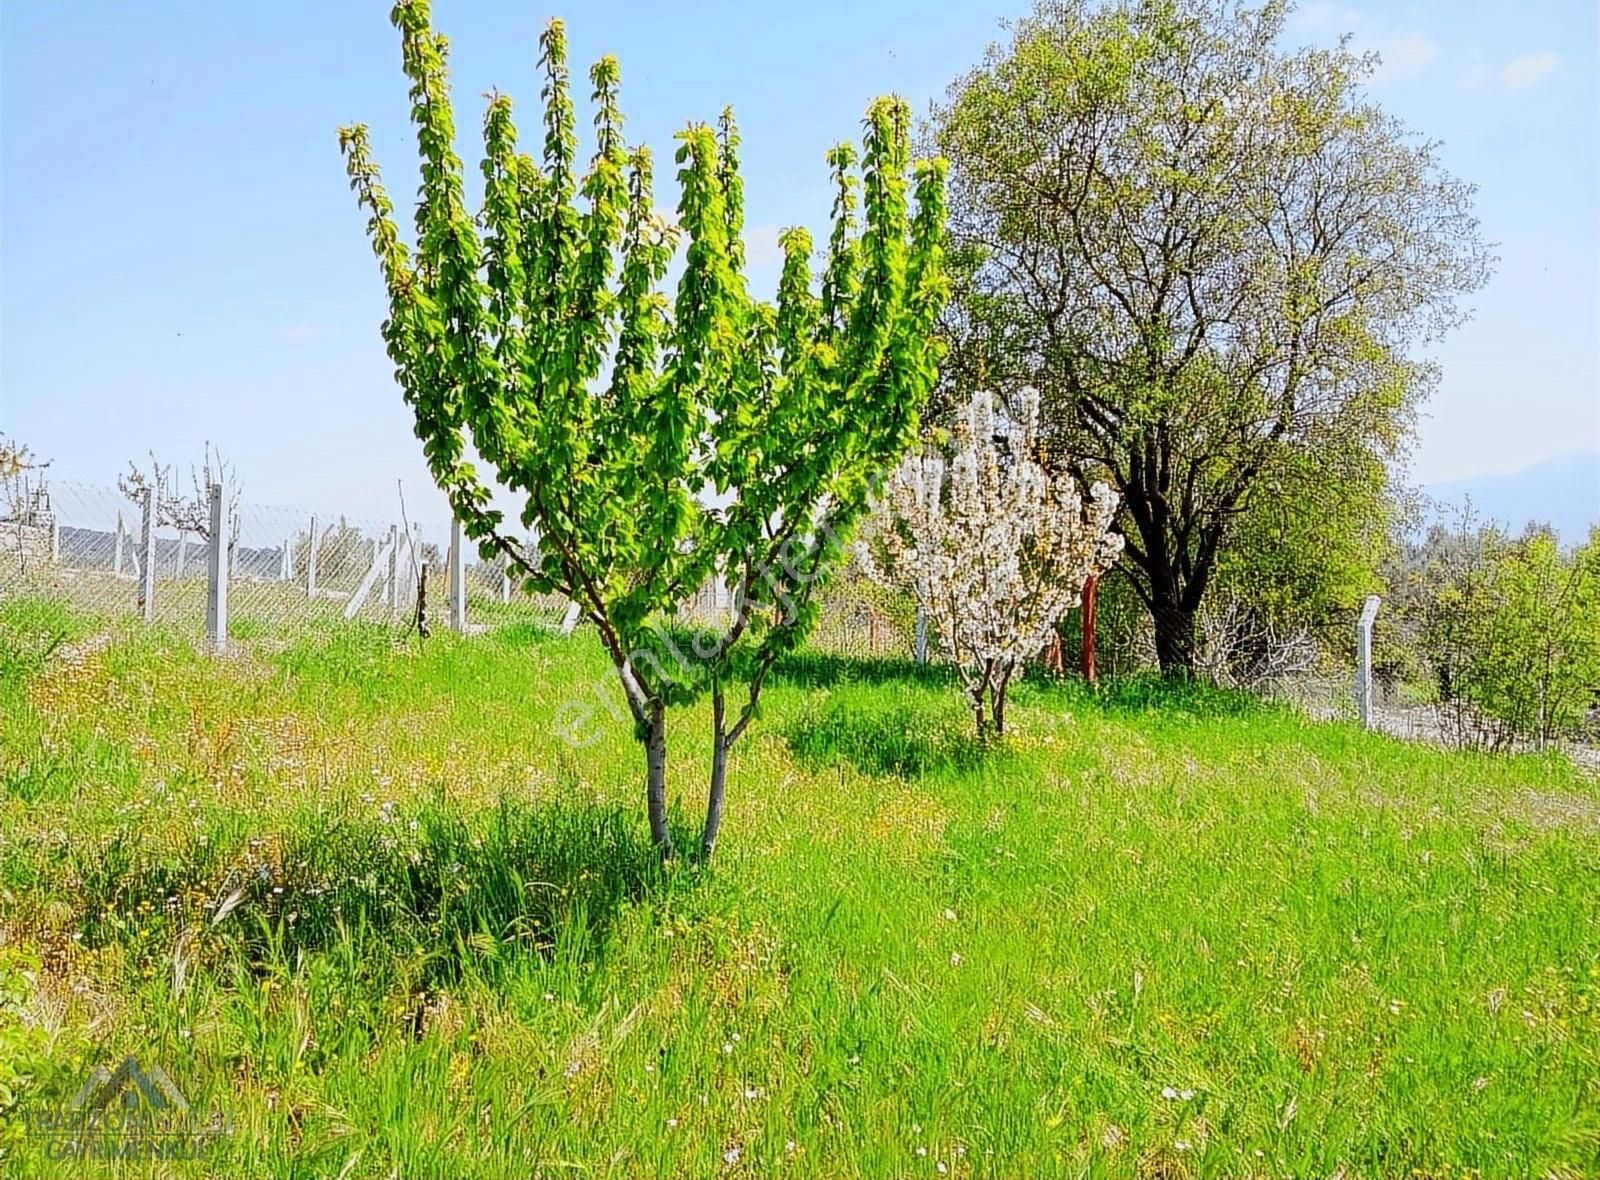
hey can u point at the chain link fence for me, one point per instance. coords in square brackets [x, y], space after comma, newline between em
[98, 548]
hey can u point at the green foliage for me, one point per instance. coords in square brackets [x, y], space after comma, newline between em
[783, 412]
[1502, 635]
[1512, 633]
[1215, 259]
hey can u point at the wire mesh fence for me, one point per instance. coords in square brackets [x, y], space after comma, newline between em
[108, 551]
[97, 547]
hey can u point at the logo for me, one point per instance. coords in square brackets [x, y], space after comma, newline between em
[131, 1112]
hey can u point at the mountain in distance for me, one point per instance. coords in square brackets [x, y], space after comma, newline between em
[1563, 492]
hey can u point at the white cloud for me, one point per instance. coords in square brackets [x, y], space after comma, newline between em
[1522, 72]
[1405, 55]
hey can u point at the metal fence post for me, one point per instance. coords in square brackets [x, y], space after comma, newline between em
[458, 578]
[1369, 612]
[311, 560]
[217, 570]
[147, 562]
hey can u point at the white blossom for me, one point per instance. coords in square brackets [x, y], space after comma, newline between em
[997, 552]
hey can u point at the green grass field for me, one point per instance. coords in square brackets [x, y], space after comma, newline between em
[361, 899]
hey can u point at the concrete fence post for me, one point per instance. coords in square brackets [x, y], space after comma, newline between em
[505, 584]
[183, 552]
[1369, 612]
[393, 594]
[217, 569]
[922, 636]
[414, 577]
[116, 552]
[147, 560]
[312, 545]
[458, 578]
[287, 573]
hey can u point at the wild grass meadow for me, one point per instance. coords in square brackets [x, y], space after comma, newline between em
[357, 894]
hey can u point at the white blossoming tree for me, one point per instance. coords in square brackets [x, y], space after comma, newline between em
[995, 549]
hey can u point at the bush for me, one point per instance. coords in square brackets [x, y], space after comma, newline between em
[1511, 633]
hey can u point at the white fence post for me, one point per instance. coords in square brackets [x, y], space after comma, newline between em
[287, 574]
[311, 560]
[217, 570]
[381, 560]
[116, 552]
[505, 584]
[183, 551]
[458, 578]
[414, 575]
[569, 621]
[147, 562]
[1369, 612]
[394, 568]
[922, 636]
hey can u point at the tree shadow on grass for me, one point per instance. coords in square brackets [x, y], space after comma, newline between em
[448, 891]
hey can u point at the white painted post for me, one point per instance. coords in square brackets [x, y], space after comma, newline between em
[183, 551]
[1369, 612]
[217, 570]
[458, 578]
[380, 563]
[414, 576]
[287, 572]
[569, 622]
[505, 584]
[394, 568]
[116, 553]
[147, 563]
[922, 636]
[311, 559]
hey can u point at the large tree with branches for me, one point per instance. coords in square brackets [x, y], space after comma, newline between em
[1214, 258]
[654, 444]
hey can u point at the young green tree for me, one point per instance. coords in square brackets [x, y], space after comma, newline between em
[1213, 258]
[655, 444]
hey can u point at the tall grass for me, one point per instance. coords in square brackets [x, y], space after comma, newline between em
[359, 895]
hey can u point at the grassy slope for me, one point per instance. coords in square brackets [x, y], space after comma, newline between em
[453, 956]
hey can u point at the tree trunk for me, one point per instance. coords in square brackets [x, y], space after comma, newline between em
[1174, 625]
[1086, 626]
[719, 775]
[656, 786]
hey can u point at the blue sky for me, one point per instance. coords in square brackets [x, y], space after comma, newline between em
[180, 259]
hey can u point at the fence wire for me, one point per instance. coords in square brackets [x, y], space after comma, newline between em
[287, 568]
[290, 568]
